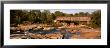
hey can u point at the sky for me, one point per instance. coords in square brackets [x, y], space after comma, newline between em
[72, 11]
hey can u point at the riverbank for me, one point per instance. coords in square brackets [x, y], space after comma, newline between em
[47, 32]
[84, 35]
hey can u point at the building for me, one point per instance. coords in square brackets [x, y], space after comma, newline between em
[75, 19]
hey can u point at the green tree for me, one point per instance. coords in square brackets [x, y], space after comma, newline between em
[31, 16]
[15, 16]
[76, 14]
[58, 13]
[96, 19]
[48, 16]
[86, 14]
[81, 13]
[43, 17]
[37, 15]
[53, 16]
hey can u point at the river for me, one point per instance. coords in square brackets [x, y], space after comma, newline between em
[41, 31]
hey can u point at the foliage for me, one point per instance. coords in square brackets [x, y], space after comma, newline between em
[45, 16]
[96, 19]
[34, 16]
[81, 14]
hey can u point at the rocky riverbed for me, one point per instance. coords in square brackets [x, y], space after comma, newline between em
[39, 32]
[57, 35]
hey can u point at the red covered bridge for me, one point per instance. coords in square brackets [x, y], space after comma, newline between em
[81, 19]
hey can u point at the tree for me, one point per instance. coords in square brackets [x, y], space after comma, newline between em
[96, 19]
[76, 14]
[68, 15]
[58, 13]
[53, 16]
[48, 16]
[12, 16]
[18, 20]
[43, 17]
[15, 16]
[86, 14]
[31, 16]
[37, 14]
[81, 13]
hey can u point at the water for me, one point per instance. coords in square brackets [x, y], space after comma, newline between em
[66, 35]
[51, 31]
[40, 31]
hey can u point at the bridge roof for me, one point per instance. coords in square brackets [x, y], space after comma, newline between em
[76, 18]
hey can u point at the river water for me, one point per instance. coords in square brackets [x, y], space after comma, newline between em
[43, 32]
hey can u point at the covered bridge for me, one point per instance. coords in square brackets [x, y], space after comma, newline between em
[81, 19]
